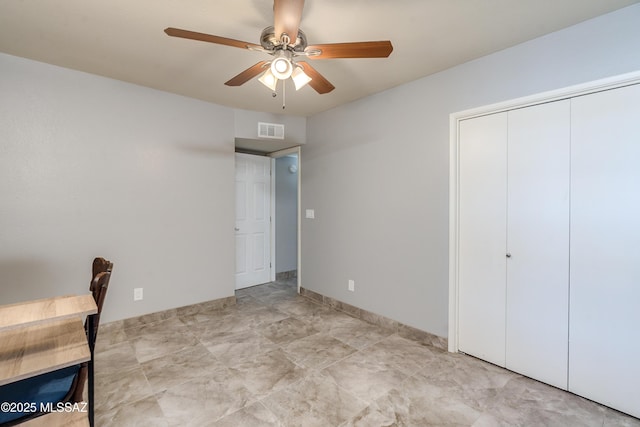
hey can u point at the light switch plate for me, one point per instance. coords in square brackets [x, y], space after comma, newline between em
[310, 213]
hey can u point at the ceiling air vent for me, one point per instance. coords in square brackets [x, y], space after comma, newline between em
[270, 130]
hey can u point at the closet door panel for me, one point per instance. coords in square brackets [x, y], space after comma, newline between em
[482, 234]
[604, 349]
[538, 242]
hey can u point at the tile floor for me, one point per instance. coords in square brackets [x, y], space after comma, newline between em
[279, 359]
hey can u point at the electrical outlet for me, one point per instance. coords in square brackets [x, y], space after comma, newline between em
[352, 285]
[137, 294]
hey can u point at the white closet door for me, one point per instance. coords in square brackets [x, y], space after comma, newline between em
[604, 349]
[482, 236]
[538, 242]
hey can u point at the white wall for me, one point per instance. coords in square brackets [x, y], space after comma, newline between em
[286, 214]
[376, 170]
[90, 167]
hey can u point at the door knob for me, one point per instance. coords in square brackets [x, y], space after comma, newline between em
[508, 255]
[237, 229]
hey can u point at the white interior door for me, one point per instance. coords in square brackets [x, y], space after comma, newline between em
[482, 237]
[604, 349]
[537, 299]
[253, 220]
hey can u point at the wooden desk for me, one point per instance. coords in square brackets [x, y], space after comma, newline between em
[45, 335]
[23, 314]
[40, 348]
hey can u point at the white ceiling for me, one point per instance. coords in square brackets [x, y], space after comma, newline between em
[124, 39]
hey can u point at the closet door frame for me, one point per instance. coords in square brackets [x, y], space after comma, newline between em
[454, 172]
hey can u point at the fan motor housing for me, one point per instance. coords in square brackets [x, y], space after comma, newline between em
[269, 41]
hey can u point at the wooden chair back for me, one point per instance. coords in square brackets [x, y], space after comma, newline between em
[98, 287]
[101, 271]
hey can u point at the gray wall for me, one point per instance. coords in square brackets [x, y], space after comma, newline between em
[91, 166]
[286, 214]
[376, 170]
[246, 125]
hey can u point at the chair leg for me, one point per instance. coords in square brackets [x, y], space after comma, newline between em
[91, 338]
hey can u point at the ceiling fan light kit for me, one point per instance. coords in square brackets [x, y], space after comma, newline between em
[300, 79]
[285, 41]
[281, 65]
[269, 80]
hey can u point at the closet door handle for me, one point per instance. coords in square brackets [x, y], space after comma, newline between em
[508, 255]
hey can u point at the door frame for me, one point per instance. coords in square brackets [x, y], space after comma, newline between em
[454, 121]
[274, 156]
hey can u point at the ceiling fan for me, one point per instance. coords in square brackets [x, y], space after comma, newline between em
[285, 41]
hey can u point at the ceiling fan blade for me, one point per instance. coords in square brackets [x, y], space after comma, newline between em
[287, 15]
[247, 74]
[192, 35]
[318, 82]
[378, 49]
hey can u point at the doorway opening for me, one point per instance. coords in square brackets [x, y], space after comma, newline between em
[268, 217]
[285, 211]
